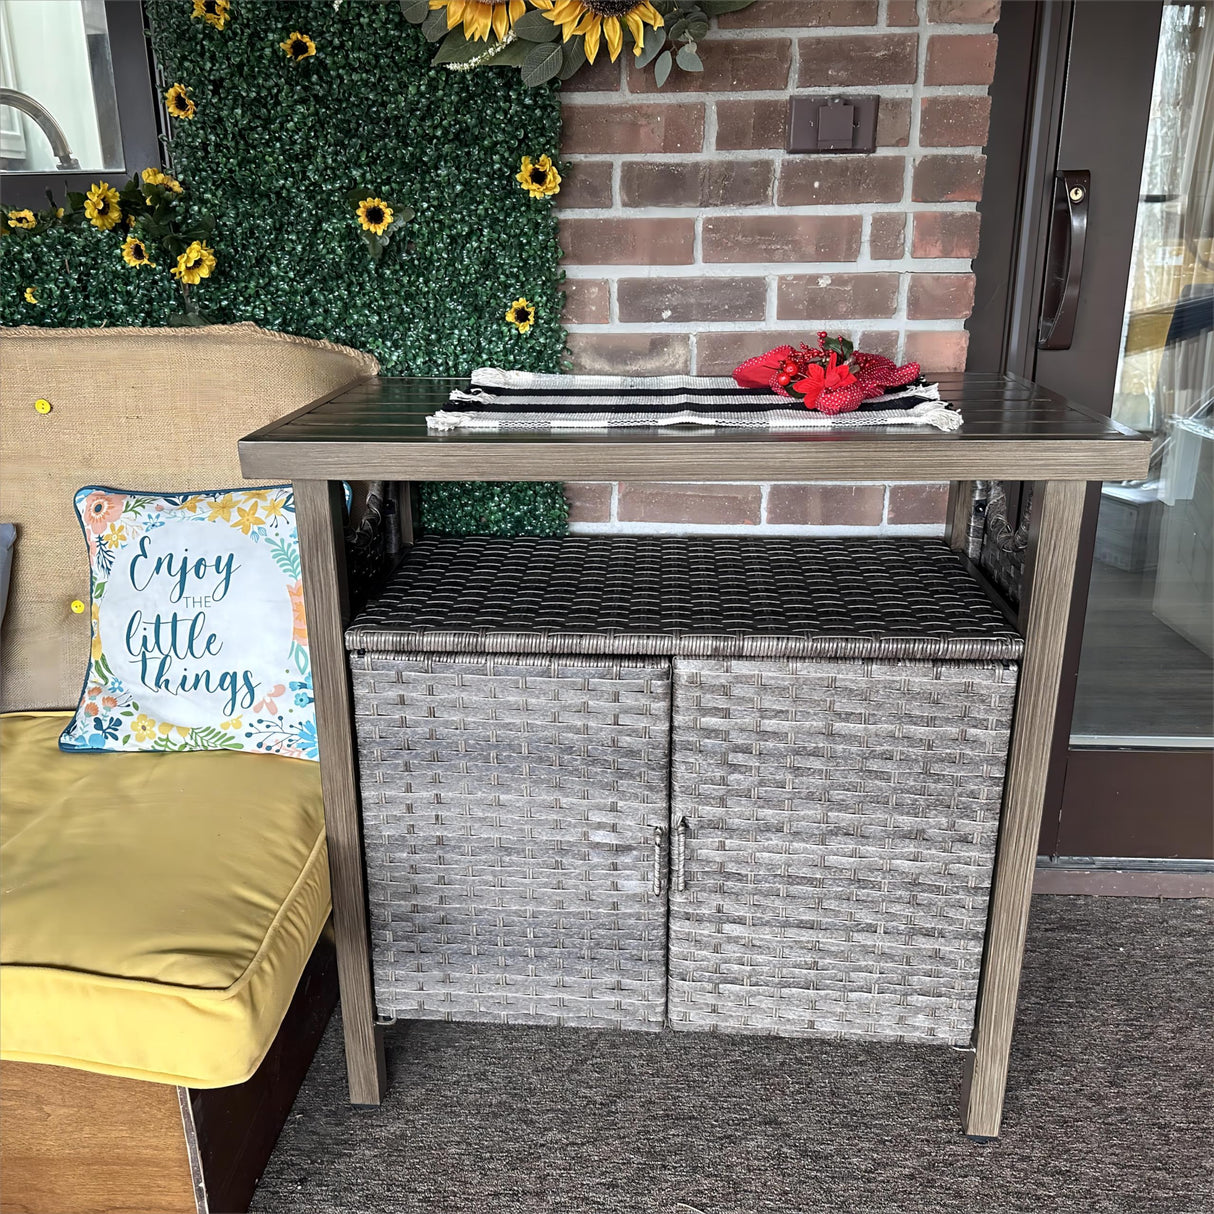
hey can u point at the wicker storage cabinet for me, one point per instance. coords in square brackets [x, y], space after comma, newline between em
[786, 756]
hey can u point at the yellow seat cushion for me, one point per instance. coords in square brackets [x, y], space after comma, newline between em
[157, 910]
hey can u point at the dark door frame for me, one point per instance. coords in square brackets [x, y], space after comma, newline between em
[139, 115]
[1027, 110]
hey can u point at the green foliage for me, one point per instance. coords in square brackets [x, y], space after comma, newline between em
[463, 508]
[273, 153]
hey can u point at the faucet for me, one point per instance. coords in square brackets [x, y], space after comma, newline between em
[42, 116]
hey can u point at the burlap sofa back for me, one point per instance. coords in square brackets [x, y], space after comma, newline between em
[151, 409]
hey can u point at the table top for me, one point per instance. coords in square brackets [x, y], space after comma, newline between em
[1013, 430]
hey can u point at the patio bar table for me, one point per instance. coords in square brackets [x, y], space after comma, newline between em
[1013, 431]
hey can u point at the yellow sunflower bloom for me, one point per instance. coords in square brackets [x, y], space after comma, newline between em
[179, 103]
[21, 219]
[102, 207]
[298, 46]
[195, 264]
[481, 16]
[213, 12]
[30, 296]
[135, 253]
[539, 178]
[374, 214]
[156, 177]
[601, 19]
[521, 314]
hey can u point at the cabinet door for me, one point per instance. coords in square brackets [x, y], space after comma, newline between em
[833, 833]
[515, 813]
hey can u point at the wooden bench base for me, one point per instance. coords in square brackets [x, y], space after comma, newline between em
[96, 1144]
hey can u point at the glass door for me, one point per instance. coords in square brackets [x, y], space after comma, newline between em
[1146, 671]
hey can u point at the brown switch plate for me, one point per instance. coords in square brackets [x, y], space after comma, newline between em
[832, 124]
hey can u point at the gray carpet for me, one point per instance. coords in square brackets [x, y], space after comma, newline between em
[1109, 1106]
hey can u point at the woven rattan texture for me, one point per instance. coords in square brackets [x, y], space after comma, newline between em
[834, 832]
[718, 596]
[514, 822]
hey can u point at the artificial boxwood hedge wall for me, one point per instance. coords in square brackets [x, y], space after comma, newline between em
[273, 152]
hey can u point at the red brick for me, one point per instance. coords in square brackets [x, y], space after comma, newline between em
[640, 128]
[917, 504]
[940, 296]
[587, 301]
[811, 180]
[781, 237]
[858, 59]
[837, 505]
[719, 353]
[879, 341]
[744, 123]
[585, 183]
[954, 121]
[893, 122]
[676, 300]
[645, 502]
[589, 501]
[696, 183]
[936, 351]
[730, 65]
[639, 353]
[955, 178]
[902, 12]
[628, 242]
[945, 234]
[791, 14]
[600, 76]
[959, 12]
[823, 297]
[887, 237]
[960, 59]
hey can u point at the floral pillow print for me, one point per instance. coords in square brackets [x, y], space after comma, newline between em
[198, 637]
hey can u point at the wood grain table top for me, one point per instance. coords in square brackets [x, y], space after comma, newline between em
[1013, 430]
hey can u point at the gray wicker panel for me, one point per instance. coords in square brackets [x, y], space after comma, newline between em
[509, 814]
[716, 596]
[841, 819]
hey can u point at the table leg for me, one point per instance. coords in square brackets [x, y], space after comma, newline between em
[319, 507]
[1058, 510]
[960, 510]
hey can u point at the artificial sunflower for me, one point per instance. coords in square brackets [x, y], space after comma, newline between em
[135, 253]
[481, 16]
[21, 219]
[30, 296]
[213, 12]
[179, 103]
[298, 46]
[102, 207]
[156, 177]
[374, 215]
[601, 19]
[195, 264]
[521, 314]
[539, 178]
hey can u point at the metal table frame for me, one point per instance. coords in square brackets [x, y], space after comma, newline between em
[1013, 431]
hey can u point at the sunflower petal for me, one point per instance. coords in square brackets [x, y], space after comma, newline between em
[517, 9]
[593, 34]
[637, 26]
[455, 13]
[614, 36]
[501, 20]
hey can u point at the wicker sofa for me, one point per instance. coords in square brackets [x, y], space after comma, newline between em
[166, 966]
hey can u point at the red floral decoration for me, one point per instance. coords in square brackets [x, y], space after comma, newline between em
[832, 377]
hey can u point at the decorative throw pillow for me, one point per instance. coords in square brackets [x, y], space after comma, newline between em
[198, 638]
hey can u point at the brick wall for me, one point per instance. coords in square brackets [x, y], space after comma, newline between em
[693, 240]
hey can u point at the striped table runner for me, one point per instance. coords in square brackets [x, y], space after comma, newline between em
[500, 400]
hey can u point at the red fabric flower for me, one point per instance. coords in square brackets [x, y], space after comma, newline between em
[761, 371]
[819, 379]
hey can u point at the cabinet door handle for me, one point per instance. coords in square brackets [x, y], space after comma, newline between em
[657, 860]
[1064, 259]
[680, 855]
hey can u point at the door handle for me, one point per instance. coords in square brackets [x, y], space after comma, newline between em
[1064, 259]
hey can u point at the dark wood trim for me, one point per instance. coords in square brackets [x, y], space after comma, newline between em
[1101, 882]
[1111, 799]
[138, 114]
